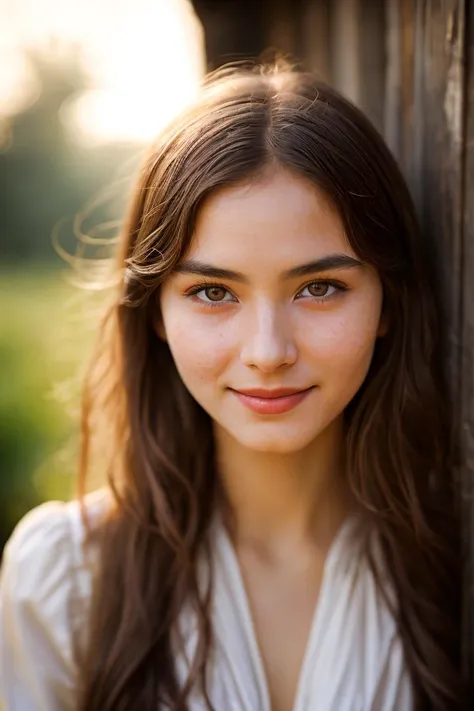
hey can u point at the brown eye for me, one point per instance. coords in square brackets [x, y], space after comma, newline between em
[212, 294]
[215, 293]
[318, 289]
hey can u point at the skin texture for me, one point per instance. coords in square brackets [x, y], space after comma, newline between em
[271, 331]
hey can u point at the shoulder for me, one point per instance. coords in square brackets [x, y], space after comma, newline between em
[45, 588]
[45, 572]
[41, 543]
[48, 542]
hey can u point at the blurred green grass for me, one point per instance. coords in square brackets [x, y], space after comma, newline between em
[45, 335]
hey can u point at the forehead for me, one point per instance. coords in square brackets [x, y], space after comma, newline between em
[281, 218]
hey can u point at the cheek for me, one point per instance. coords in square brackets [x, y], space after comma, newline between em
[344, 346]
[200, 352]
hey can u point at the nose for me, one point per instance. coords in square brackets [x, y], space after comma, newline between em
[267, 342]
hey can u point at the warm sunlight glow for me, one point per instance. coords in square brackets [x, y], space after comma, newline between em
[143, 59]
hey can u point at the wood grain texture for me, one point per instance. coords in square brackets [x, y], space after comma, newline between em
[467, 339]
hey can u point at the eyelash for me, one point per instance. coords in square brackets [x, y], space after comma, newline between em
[194, 291]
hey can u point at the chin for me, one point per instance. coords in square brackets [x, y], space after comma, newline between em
[277, 442]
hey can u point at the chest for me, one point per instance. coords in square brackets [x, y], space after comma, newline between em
[303, 638]
[283, 607]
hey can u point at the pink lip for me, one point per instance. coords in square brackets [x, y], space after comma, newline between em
[271, 402]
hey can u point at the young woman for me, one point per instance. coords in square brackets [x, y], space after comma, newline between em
[279, 529]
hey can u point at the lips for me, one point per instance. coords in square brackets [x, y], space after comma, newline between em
[271, 394]
[271, 402]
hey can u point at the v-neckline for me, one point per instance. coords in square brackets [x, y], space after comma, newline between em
[325, 598]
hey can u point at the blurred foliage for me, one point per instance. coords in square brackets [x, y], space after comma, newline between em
[46, 178]
[46, 181]
[38, 359]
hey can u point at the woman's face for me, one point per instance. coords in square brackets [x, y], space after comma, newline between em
[270, 317]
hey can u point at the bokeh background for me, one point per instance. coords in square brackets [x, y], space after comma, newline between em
[85, 85]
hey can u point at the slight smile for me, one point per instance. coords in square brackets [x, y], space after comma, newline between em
[271, 402]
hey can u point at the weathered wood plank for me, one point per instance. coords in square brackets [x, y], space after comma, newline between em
[233, 29]
[467, 363]
[430, 93]
[430, 146]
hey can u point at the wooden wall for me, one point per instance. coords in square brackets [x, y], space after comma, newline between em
[410, 65]
[429, 125]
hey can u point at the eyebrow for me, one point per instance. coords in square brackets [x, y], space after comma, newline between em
[328, 263]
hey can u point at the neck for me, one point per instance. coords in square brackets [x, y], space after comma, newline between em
[274, 500]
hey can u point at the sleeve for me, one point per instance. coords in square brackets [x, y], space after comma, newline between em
[394, 690]
[37, 671]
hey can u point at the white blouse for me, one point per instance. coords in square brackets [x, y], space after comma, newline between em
[353, 660]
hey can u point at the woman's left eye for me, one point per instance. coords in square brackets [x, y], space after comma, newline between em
[320, 290]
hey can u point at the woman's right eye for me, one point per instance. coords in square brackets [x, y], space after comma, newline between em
[211, 295]
[214, 293]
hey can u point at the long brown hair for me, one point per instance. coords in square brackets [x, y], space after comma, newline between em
[157, 441]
